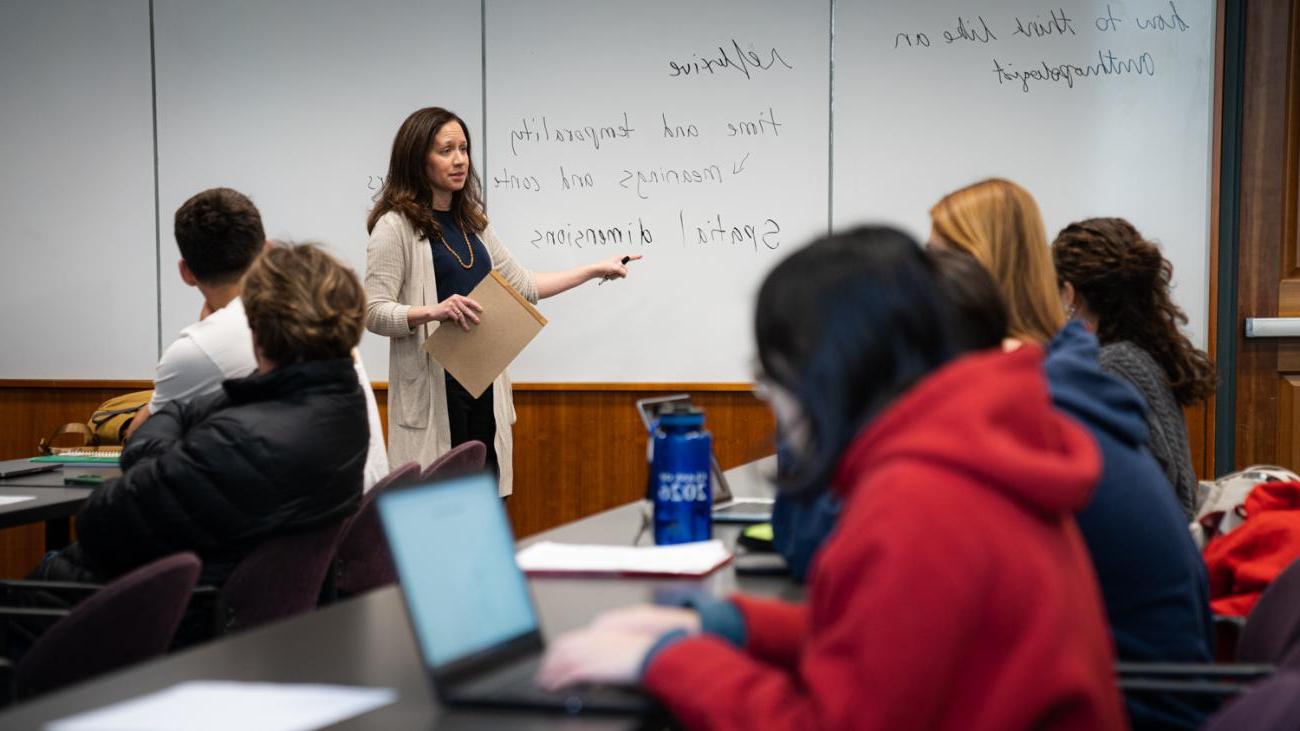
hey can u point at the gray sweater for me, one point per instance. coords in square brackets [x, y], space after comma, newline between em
[1168, 429]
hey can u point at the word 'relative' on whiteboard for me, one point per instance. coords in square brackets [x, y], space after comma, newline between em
[692, 133]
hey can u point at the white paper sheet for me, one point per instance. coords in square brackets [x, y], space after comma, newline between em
[685, 559]
[11, 499]
[211, 705]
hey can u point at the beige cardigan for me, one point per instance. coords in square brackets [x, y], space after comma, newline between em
[399, 275]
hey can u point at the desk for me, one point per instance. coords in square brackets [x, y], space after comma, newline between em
[367, 641]
[55, 504]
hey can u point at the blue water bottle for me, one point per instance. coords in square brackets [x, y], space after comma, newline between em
[680, 477]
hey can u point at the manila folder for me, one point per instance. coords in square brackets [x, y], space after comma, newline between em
[507, 323]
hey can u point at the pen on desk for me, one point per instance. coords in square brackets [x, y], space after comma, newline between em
[624, 262]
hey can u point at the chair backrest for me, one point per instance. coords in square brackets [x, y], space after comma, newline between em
[468, 457]
[1273, 627]
[1272, 705]
[130, 620]
[363, 561]
[281, 578]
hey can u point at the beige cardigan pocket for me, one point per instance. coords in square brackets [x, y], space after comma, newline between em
[413, 381]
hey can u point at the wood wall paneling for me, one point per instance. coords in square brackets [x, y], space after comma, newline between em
[1200, 437]
[27, 414]
[580, 452]
[577, 451]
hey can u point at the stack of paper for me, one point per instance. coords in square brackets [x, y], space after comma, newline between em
[685, 559]
[212, 705]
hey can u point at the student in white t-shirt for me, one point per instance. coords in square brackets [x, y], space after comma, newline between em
[219, 233]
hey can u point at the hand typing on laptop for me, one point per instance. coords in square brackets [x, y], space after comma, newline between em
[649, 618]
[613, 649]
[602, 656]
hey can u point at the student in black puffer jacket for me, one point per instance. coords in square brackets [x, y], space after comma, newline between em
[280, 451]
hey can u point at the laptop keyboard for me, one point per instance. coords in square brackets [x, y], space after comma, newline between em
[517, 683]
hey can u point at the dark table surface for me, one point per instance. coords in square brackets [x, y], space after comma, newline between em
[53, 500]
[366, 641]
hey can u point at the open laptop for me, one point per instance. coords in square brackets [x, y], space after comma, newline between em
[727, 508]
[469, 604]
[19, 467]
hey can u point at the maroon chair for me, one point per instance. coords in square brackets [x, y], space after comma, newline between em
[283, 577]
[363, 562]
[466, 458]
[1272, 705]
[1272, 629]
[129, 620]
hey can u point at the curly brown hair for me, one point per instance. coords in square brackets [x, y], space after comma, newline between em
[1124, 281]
[302, 304]
[407, 189]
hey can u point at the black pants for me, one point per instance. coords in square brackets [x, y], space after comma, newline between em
[472, 418]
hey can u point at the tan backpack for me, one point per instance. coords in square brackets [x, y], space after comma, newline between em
[106, 429]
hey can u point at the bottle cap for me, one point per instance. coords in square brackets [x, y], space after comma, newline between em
[681, 415]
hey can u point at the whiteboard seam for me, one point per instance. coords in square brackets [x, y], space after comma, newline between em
[830, 129]
[157, 208]
[482, 47]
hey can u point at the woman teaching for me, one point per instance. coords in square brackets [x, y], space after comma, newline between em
[430, 244]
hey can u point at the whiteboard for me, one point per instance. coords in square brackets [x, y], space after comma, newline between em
[295, 103]
[713, 168]
[77, 285]
[918, 117]
[774, 121]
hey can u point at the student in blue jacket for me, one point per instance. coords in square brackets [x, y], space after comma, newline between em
[1152, 578]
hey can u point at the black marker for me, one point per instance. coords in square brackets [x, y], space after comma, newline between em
[624, 261]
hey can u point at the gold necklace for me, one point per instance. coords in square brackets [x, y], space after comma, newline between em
[459, 260]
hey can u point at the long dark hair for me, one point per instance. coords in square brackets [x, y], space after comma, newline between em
[407, 189]
[1124, 281]
[846, 325]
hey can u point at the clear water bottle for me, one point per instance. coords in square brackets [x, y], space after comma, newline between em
[680, 478]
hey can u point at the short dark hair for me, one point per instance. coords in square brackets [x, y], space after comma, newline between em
[979, 314]
[846, 325]
[303, 304]
[219, 232]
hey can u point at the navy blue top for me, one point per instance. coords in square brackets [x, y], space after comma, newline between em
[450, 276]
[1153, 580]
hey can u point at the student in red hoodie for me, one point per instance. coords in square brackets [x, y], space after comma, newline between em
[955, 592]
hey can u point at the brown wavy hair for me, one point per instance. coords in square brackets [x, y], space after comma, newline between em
[1124, 281]
[303, 304]
[407, 189]
[998, 223]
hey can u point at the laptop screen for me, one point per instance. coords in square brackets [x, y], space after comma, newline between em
[455, 554]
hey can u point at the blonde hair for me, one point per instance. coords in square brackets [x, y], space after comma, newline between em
[998, 223]
[302, 304]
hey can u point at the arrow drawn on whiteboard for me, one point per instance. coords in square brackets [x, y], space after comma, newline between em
[737, 167]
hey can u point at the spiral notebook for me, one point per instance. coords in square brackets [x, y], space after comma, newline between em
[507, 324]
